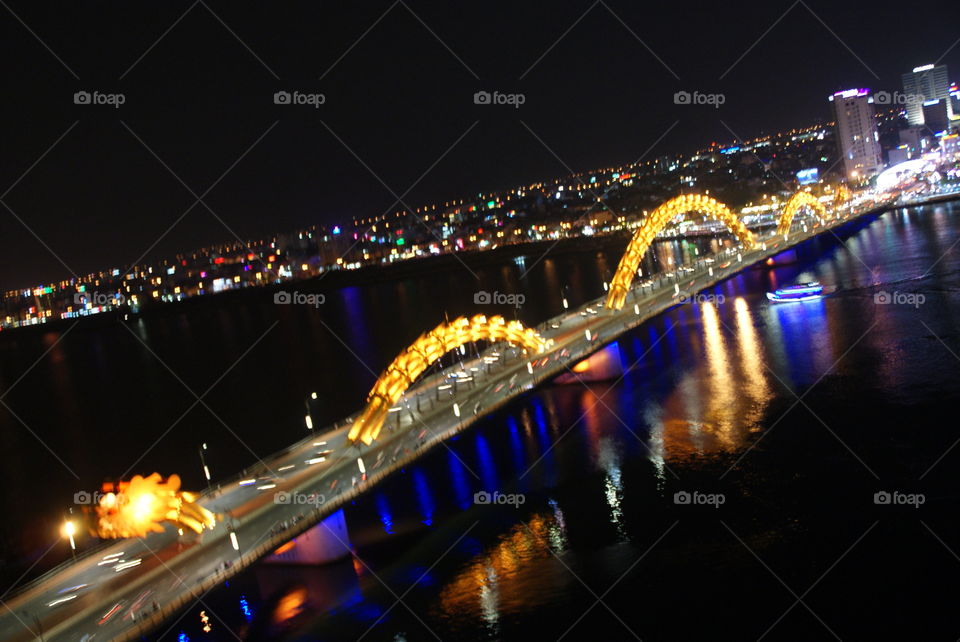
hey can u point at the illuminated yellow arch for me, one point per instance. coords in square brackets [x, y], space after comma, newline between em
[798, 200]
[413, 361]
[659, 219]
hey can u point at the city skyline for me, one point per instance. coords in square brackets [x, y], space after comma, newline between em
[118, 179]
[495, 321]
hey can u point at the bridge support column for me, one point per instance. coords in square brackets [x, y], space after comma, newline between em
[325, 542]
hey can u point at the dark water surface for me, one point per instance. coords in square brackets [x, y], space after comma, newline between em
[795, 415]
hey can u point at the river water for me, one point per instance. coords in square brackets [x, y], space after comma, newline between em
[780, 424]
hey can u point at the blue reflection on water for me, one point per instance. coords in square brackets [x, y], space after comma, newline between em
[458, 474]
[541, 424]
[488, 471]
[423, 496]
[799, 322]
[516, 446]
[384, 512]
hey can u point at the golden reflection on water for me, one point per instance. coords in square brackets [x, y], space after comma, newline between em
[290, 605]
[518, 573]
[713, 409]
[753, 368]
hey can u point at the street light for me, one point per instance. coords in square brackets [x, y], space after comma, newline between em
[69, 530]
[203, 462]
[308, 418]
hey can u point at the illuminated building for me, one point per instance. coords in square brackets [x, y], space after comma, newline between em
[924, 84]
[857, 136]
[937, 115]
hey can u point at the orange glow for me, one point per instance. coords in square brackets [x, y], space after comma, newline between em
[141, 506]
[290, 605]
[285, 547]
[583, 366]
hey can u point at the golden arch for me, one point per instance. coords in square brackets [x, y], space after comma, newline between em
[413, 361]
[659, 219]
[798, 200]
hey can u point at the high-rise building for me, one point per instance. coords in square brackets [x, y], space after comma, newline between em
[937, 115]
[856, 132]
[924, 84]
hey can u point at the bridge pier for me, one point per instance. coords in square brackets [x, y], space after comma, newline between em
[326, 542]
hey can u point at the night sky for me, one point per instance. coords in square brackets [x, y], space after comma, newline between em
[398, 80]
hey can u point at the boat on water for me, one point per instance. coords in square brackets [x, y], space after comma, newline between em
[799, 292]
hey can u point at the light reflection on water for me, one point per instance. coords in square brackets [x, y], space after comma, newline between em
[706, 381]
[515, 574]
[594, 459]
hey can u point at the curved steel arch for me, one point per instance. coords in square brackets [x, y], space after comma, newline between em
[798, 200]
[426, 350]
[659, 219]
